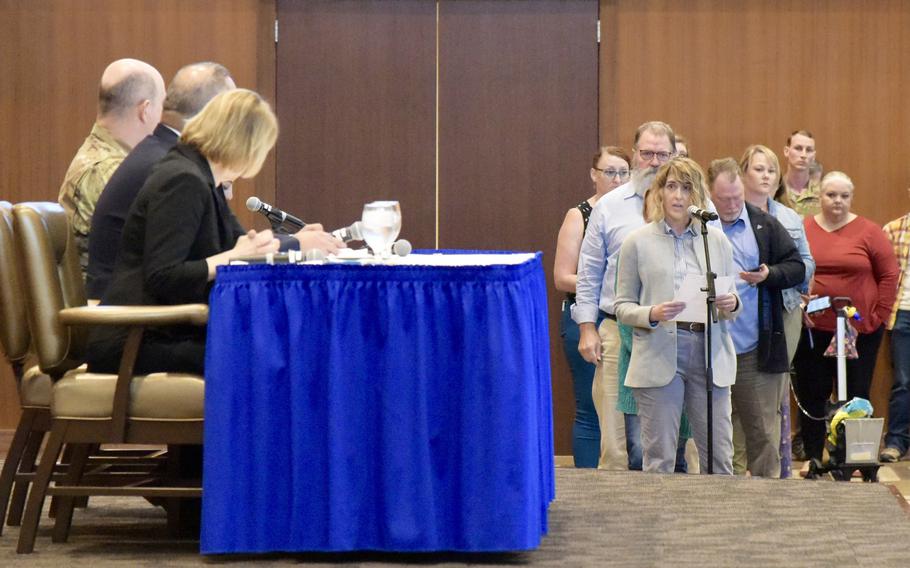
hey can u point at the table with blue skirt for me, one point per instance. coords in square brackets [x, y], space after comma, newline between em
[400, 406]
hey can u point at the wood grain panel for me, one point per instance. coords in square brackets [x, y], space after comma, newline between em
[729, 74]
[356, 100]
[517, 127]
[52, 54]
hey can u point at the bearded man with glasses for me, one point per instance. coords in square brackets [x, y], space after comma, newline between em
[615, 216]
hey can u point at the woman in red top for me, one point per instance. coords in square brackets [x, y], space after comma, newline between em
[852, 258]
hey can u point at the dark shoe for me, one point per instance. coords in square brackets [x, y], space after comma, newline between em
[889, 455]
[797, 449]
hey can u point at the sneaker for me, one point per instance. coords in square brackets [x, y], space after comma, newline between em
[890, 455]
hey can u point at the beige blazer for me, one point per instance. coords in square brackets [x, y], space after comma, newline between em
[645, 278]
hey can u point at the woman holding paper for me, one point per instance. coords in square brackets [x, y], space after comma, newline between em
[667, 371]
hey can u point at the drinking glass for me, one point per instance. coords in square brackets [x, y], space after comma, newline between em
[381, 225]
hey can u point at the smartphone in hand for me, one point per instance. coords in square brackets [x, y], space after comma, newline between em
[818, 304]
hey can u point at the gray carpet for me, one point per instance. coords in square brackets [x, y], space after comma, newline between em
[598, 519]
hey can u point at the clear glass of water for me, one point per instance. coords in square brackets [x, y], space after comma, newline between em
[381, 225]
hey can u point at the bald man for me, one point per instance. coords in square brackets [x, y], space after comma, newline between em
[191, 88]
[130, 101]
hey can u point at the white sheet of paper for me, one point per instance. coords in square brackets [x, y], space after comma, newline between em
[690, 292]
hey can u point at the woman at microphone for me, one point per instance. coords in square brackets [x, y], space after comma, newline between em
[180, 229]
[667, 369]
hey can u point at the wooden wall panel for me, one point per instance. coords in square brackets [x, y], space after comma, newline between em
[729, 74]
[356, 100]
[52, 54]
[517, 127]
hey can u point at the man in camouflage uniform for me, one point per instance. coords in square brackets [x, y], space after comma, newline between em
[802, 190]
[130, 100]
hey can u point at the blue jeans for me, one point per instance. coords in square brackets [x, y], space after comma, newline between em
[899, 406]
[585, 429]
[633, 446]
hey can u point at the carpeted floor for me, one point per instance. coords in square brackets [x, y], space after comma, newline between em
[598, 519]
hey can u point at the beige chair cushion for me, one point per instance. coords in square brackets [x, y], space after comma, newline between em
[35, 388]
[158, 396]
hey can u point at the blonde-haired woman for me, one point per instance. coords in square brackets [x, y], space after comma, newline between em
[667, 370]
[180, 229]
[762, 182]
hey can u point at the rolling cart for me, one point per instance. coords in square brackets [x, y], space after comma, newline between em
[854, 436]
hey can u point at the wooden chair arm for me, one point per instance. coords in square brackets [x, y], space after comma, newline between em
[195, 314]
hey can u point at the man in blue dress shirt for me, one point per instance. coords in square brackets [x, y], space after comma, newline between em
[769, 263]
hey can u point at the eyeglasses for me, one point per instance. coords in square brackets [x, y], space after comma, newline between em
[648, 155]
[610, 173]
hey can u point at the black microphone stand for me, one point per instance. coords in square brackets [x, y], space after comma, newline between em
[709, 365]
[278, 227]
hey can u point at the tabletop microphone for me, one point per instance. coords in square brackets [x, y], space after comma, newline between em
[276, 217]
[702, 215]
[401, 247]
[348, 234]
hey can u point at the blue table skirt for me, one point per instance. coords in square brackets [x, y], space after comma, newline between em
[390, 408]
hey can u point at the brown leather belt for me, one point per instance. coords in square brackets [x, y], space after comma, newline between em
[690, 326]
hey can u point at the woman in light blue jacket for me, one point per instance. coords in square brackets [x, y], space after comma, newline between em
[761, 178]
[667, 371]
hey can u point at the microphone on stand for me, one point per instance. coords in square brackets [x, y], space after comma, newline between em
[277, 217]
[702, 215]
[401, 247]
[351, 233]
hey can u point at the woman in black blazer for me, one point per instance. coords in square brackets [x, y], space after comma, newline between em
[180, 228]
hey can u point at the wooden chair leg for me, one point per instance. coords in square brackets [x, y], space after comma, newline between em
[81, 502]
[65, 505]
[64, 459]
[26, 466]
[13, 459]
[29, 529]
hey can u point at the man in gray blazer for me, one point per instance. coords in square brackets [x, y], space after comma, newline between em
[767, 262]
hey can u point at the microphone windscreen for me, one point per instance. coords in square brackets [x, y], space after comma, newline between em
[253, 204]
[401, 247]
[357, 231]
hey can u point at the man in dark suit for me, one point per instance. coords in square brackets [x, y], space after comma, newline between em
[768, 262]
[190, 89]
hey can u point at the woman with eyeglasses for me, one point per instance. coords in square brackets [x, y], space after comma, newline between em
[853, 258]
[609, 170]
[667, 371]
[682, 146]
